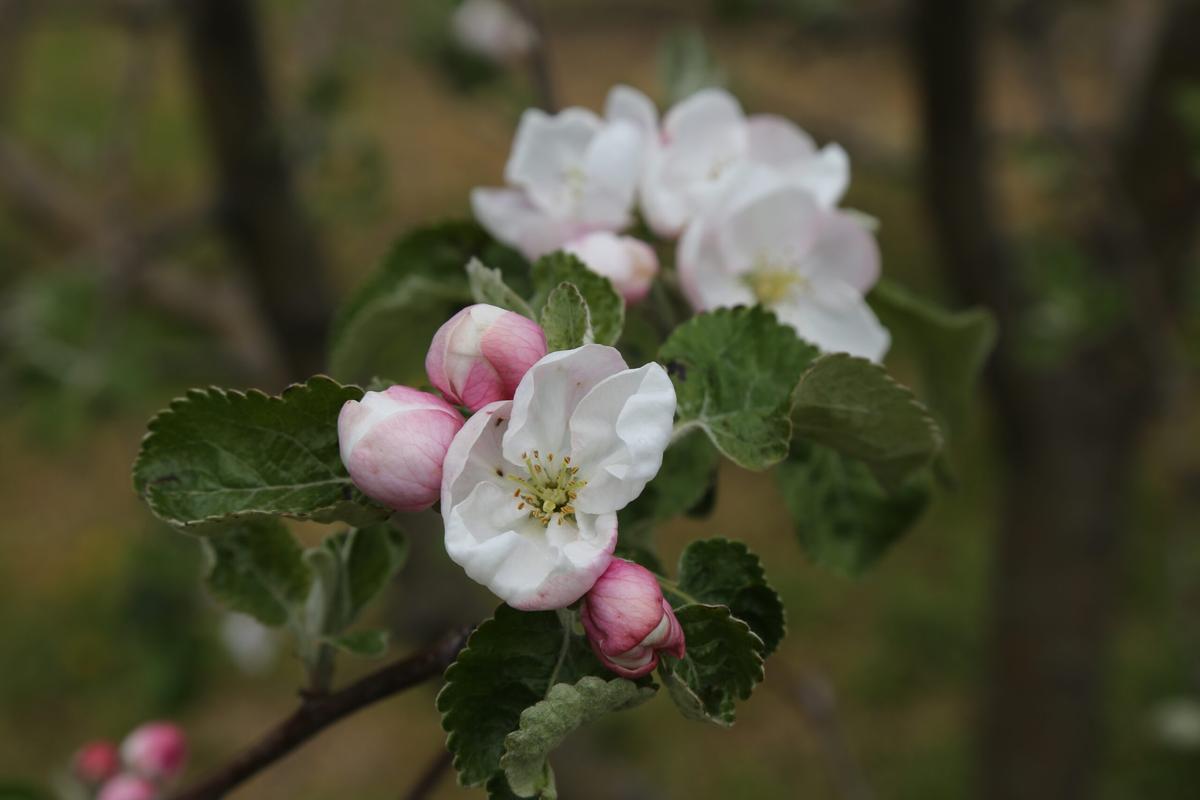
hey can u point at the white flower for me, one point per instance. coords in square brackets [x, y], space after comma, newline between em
[705, 139]
[568, 174]
[531, 486]
[767, 240]
[492, 29]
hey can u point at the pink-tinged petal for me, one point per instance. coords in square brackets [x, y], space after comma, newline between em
[393, 444]
[844, 250]
[548, 394]
[510, 216]
[512, 345]
[156, 749]
[492, 29]
[128, 787]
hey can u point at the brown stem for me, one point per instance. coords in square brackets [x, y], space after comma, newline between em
[317, 712]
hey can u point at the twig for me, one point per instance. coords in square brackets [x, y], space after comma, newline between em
[813, 696]
[317, 712]
[431, 776]
[539, 59]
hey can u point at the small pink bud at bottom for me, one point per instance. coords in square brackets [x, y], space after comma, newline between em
[96, 761]
[156, 749]
[628, 622]
[128, 787]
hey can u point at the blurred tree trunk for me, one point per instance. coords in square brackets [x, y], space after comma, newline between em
[259, 208]
[1072, 431]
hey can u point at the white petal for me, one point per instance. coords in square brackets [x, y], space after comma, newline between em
[702, 274]
[664, 206]
[777, 141]
[546, 151]
[627, 104]
[774, 225]
[611, 168]
[618, 434]
[826, 175]
[844, 251]
[475, 454]
[548, 394]
[508, 215]
[838, 320]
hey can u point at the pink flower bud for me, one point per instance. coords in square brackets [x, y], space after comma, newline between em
[481, 353]
[96, 761]
[628, 621]
[128, 787]
[393, 443]
[629, 263]
[156, 750]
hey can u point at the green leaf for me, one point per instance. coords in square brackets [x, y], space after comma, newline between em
[508, 665]
[687, 476]
[566, 320]
[544, 725]
[951, 347]
[723, 572]
[605, 306]
[385, 327]
[371, 557]
[217, 457]
[734, 371]
[256, 568]
[844, 519]
[368, 643]
[724, 663]
[488, 286]
[855, 407]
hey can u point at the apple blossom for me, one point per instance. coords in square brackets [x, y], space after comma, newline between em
[768, 241]
[628, 262]
[705, 139]
[492, 29]
[531, 486]
[568, 174]
[155, 749]
[128, 787]
[96, 761]
[481, 353]
[393, 442]
[627, 620]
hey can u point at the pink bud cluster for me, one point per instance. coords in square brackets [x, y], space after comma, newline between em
[146, 761]
[394, 442]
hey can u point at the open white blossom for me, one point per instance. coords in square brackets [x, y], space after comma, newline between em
[531, 486]
[768, 241]
[493, 30]
[705, 139]
[569, 174]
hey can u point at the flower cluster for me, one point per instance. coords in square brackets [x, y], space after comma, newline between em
[146, 761]
[531, 483]
[751, 199]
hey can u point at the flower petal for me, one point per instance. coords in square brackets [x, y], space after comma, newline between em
[844, 250]
[837, 319]
[509, 215]
[545, 151]
[548, 394]
[618, 434]
[611, 167]
[626, 104]
[475, 455]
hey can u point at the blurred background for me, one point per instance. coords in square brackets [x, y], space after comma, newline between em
[187, 188]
